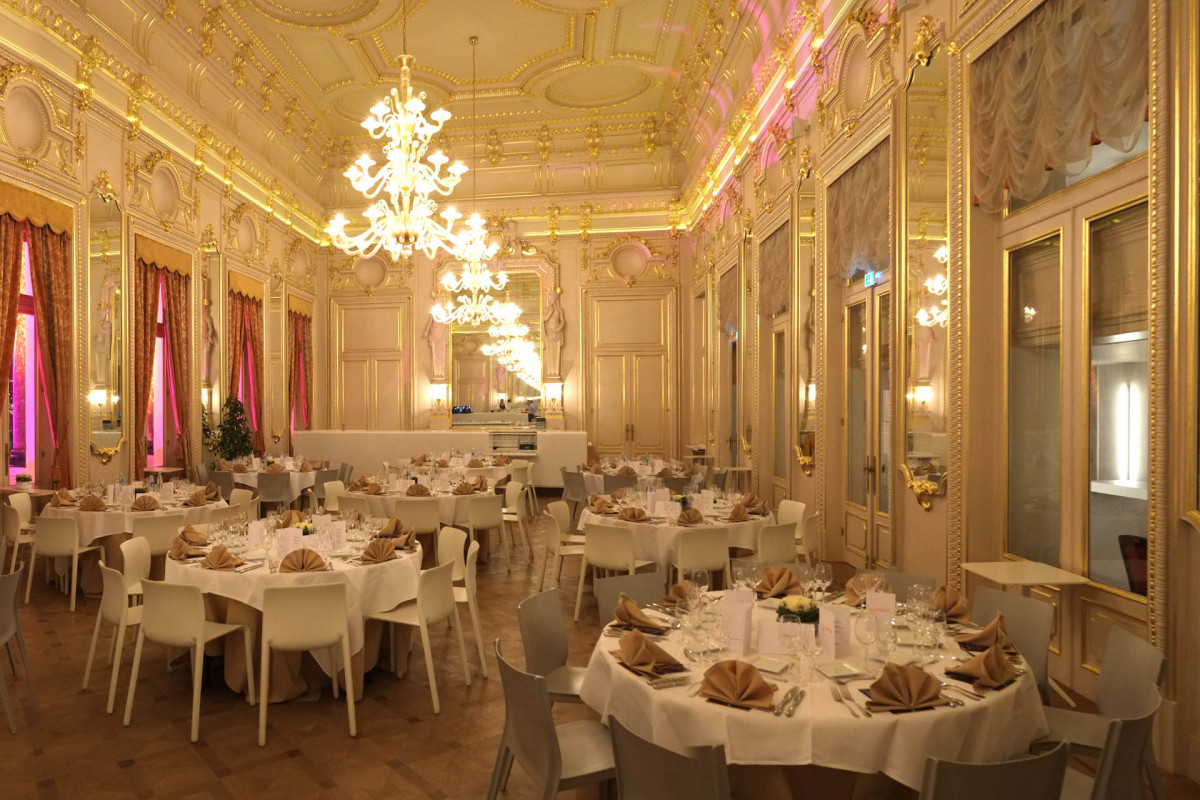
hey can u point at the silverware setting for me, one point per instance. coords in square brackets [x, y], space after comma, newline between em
[964, 693]
[792, 706]
[849, 698]
[833, 691]
[777, 710]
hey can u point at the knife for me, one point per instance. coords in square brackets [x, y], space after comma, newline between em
[791, 709]
[782, 704]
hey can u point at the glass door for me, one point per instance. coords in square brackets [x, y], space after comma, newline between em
[867, 503]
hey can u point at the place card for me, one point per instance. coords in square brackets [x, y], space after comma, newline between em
[255, 533]
[321, 521]
[337, 534]
[287, 540]
[425, 480]
[881, 604]
[668, 510]
[736, 608]
[834, 631]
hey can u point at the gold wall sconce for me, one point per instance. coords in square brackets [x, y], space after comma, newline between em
[106, 454]
[925, 490]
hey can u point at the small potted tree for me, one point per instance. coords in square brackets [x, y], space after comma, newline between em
[234, 439]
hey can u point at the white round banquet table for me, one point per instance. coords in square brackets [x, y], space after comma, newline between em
[237, 597]
[1000, 726]
[451, 507]
[656, 541]
[594, 482]
[297, 481]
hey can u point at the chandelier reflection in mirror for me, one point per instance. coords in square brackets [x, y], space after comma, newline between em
[938, 313]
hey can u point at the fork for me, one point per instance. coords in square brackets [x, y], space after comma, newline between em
[849, 698]
[833, 690]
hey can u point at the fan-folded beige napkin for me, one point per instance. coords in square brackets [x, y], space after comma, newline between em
[678, 594]
[442, 463]
[474, 463]
[996, 633]
[500, 461]
[464, 488]
[417, 490]
[276, 467]
[145, 502]
[856, 589]
[738, 513]
[306, 466]
[290, 518]
[690, 517]
[627, 471]
[378, 551]
[750, 499]
[776, 582]
[373, 488]
[181, 550]
[357, 485]
[642, 655]
[629, 615]
[219, 558]
[302, 560]
[617, 494]
[632, 514]
[222, 464]
[738, 684]
[212, 491]
[991, 667]
[952, 603]
[902, 688]
[666, 472]
[196, 498]
[596, 469]
[62, 497]
[419, 461]
[352, 516]
[395, 530]
[600, 505]
[92, 503]
[192, 536]
[480, 483]
[240, 467]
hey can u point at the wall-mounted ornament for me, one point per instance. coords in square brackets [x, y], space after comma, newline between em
[925, 489]
[106, 454]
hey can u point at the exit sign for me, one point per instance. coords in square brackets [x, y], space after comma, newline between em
[871, 278]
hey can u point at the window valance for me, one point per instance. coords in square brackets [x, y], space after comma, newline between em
[245, 286]
[22, 204]
[858, 225]
[300, 306]
[161, 255]
[775, 272]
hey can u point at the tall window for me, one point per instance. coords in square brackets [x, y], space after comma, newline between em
[22, 388]
[155, 420]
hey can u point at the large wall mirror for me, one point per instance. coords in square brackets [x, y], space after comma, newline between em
[484, 389]
[211, 293]
[106, 247]
[926, 254]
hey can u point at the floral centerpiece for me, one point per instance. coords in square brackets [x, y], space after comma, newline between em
[268, 460]
[797, 607]
[307, 528]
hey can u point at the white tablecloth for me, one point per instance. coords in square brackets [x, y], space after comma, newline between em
[822, 732]
[452, 508]
[657, 541]
[94, 525]
[297, 481]
[370, 588]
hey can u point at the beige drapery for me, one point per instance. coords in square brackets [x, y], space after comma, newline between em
[1074, 73]
[775, 272]
[145, 324]
[176, 290]
[729, 297]
[299, 342]
[50, 270]
[857, 217]
[254, 341]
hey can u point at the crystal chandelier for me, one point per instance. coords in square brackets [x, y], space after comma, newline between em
[403, 220]
[473, 310]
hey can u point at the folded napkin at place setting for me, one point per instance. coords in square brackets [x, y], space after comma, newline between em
[777, 582]
[599, 505]
[595, 468]
[352, 516]
[996, 633]
[644, 656]
[394, 531]
[905, 688]
[480, 483]
[627, 471]
[617, 494]
[442, 463]
[952, 604]
[678, 594]
[181, 550]
[990, 669]
[666, 472]
[196, 498]
[738, 513]
[223, 465]
[464, 489]
[357, 485]
[632, 514]
[212, 491]
[373, 488]
[192, 536]
[474, 463]
[275, 468]
[750, 499]
[145, 502]
[500, 461]
[62, 497]
[690, 517]
[220, 559]
[419, 461]
[858, 586]
[306, 466]
[628, 614]
[290, 519]
[736, 683]
[240, 468]
[417, 490]
[92, 503]
[378, 551]
[302, 560]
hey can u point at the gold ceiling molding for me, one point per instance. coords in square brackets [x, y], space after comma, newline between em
[90, 57]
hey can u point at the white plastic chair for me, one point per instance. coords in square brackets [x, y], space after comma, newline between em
[574, 490]
[116, 611]
[557, 758]
[450, 550]
[158, 531]
[348, 504]
[333, 493]
[10, 629]
[135, 557]
[15, 533]
[558, 544]
[515, 513]
[522, 473]
[607, 547]
[793, 511]
[562, 517]
[58, 537]
[1030, 623]
[643, 588]
[646, 771]
[703, 548]
[434, 603]
[421, 514]
[223, 478]
[304, 618]
[776, 544]
[902, 583]
[243, 500]
[1029, 778]
[544, 640]
[316, 492]
[274, 488]
[1122, 757]
[485, 513]
[173, 615]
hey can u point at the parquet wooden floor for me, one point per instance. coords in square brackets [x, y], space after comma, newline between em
[67, 747]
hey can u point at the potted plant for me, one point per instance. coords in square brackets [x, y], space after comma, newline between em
[234, 439]
[24, 481]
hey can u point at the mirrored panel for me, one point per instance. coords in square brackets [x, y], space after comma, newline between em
[926, 256]
[105, 368]
[212, 274]
[496, 380]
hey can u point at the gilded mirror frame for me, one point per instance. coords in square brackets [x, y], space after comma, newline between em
[109, 297]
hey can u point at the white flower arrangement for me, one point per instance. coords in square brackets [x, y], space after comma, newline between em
[797, 606]
[307, 528]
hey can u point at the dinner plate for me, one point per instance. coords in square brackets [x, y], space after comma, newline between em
[837, 669]
[771, 664]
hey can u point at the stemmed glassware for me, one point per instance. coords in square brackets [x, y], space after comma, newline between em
[822, 576]
[886, 639]
[864, 632]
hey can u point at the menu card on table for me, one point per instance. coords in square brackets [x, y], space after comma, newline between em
[834, 630]
[882, 608]
[255, 534]
[736, 608]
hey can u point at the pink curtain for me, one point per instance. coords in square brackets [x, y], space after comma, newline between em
[145, 330]
[177, 316]
[50, 269]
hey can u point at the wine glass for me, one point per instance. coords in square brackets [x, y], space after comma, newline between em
[886, 639]
[811, 649]
[823, 576]
[804, 575]
[791, 636]
[864, 632]
[699, 579]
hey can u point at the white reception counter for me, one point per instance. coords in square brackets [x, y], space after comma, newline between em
[367, 450]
